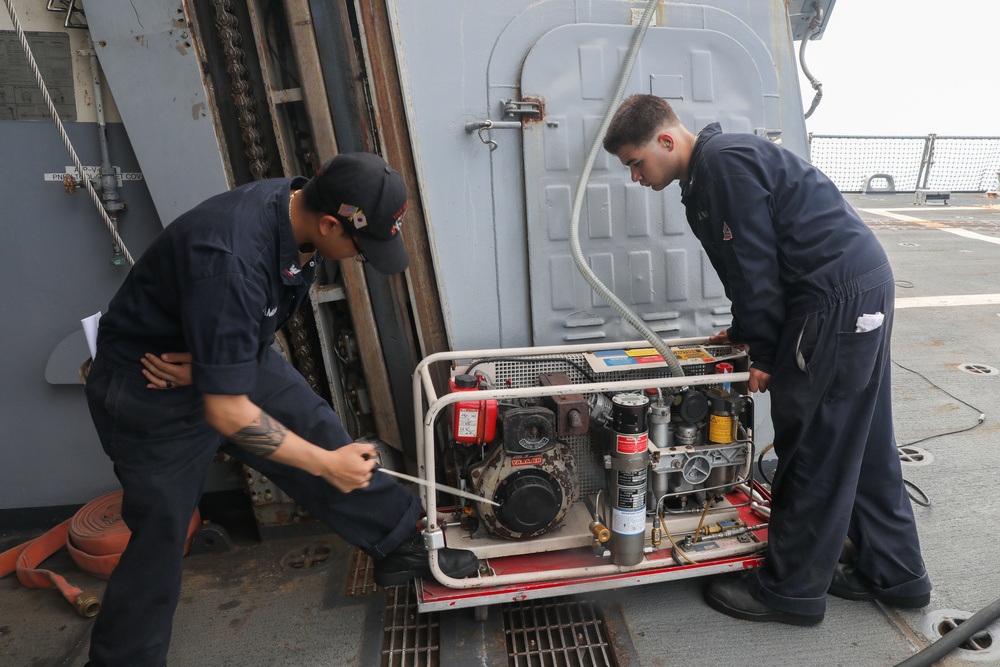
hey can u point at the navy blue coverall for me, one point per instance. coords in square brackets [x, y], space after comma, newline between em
[800, 268]
[218, 282]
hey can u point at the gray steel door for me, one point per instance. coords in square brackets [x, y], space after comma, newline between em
[634, 239]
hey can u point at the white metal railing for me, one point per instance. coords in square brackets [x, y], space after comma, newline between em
[959, 164]
[427, 405]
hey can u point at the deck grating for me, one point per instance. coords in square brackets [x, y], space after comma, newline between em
[360, 574]
[557, 632]
[411, 639]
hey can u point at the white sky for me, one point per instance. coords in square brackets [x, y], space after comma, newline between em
[907, 67]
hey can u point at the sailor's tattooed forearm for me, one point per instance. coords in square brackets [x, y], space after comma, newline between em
[261, 437]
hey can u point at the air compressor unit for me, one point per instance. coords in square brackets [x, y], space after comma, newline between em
[603, 470]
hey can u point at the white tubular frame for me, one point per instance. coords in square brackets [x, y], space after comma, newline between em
[423, 388]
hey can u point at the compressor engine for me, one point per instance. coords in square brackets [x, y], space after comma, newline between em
[637, 458]
[700, 448]
[530, 473]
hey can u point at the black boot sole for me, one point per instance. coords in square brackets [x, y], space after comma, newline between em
[396, 579]
[850, 594]
[771, 616]
[912, 602]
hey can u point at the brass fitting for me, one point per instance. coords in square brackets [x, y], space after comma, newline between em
[600, 531]
[87, 605]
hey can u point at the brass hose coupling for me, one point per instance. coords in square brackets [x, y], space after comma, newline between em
[87, 605]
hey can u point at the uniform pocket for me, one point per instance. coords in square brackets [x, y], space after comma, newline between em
[154, 413]
[805, 344]
[735, 275]
[854, 362]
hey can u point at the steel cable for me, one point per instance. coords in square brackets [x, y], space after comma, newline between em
[29, 56]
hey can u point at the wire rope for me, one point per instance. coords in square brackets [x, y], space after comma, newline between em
[29, 56]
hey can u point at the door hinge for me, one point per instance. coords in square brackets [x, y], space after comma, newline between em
[527, 109]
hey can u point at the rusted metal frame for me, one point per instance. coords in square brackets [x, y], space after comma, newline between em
[355, 285]
[300, 28]
[275, 95]
[397, 149]
[355, 118]
[354, 114]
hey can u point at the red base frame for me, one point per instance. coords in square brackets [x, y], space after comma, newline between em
[434, 596]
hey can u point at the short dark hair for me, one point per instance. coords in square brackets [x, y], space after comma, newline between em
[637, 120]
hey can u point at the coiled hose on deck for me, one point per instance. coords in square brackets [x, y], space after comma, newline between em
[95, 537]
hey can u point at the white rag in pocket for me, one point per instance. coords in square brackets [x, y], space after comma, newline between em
[869, 322]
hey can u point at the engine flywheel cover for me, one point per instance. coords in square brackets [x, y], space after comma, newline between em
[529, 500]
[534, 492]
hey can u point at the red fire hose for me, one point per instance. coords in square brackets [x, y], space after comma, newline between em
[95, 538]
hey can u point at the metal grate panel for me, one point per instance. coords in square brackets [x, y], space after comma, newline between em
[558, 632]
[360, 574]
[411, 639]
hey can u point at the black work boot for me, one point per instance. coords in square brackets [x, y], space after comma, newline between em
[731, 596]
[409, 561]
[849, 584]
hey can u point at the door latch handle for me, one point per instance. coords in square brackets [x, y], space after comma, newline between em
[481, 126]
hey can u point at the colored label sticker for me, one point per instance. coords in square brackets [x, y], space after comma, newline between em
[631, 499]
[628, 522]
[631, 444]
[468, 423]
[691, 353]
[528, 461]
[720, 429]
[620, 361]
[650, 360]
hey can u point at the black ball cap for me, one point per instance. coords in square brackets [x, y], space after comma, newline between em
[366, 193]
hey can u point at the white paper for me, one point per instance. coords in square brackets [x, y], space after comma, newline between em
[869, 322]
[90, 331]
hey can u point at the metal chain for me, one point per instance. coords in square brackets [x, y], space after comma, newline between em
[242, 88]
[303, 351]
